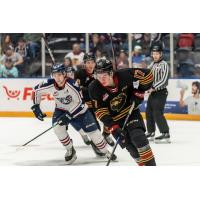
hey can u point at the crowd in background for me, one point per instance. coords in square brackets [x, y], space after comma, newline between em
[21, 52]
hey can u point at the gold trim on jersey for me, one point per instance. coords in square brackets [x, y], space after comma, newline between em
[122, 114]
[101, 112]
[89, 103]
[145, 80]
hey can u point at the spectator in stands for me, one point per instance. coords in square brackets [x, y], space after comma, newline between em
[16, 58]
[156, 37]
[76, 56]
[33, 42]
[68, 62]
[136, 39]
[96, 44]
[145, 44]
[122, 61]
[192, 102]
[8, 70]
[15, 37]
[22, 49]
[7, 42]
[138, 59]
[99, 54]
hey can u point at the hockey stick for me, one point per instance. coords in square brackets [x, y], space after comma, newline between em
[39, 135]
[55, 124]
[125, 122]
[48, 48]
[113, 53]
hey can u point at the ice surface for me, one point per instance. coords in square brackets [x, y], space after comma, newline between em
[47, 150]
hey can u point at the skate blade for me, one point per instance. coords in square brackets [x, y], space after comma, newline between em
[163, 141]
[71, 161]
[151, 139]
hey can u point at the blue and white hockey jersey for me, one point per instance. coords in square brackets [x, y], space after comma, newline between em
[68, 98]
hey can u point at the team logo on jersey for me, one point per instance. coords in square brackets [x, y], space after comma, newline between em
[118, 102]
[66, 100]
[136, 84]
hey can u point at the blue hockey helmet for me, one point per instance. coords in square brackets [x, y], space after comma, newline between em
[58, 68]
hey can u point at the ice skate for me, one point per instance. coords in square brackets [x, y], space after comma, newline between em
[108, 155]
[163, 138]
[150, 136]
[96, 150]
[70, 156]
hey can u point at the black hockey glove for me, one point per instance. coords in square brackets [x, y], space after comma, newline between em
[37, 112]
[119, 133]
[64, 119]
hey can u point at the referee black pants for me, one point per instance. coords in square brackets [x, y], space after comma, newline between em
[155, 111]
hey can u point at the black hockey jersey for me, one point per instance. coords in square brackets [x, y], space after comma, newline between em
[84, 79]
[113, 104]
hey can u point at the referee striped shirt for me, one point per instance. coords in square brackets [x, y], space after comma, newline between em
[160, 73]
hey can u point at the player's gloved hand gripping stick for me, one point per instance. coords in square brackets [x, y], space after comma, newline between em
[63, 119]
[121, 135]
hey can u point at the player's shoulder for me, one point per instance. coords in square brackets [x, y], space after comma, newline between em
[80, 73]
[94, 85]
[95, 89]
[72, 83]
[45, 83]
[163, 63]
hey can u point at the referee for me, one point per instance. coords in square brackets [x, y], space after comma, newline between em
[157, 97]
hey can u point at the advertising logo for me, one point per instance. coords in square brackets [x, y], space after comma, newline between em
[12, 94]
[24, 94]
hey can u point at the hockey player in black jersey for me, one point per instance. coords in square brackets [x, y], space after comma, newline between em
[70, 108]
[84, 77]
[112, 94]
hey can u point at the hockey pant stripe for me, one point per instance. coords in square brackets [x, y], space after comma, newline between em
[101, 145]
[98, 140]
[140, 162]
[65, 141]
[146, 155]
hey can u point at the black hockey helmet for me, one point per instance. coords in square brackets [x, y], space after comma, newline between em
[58, 68]
[88, 56]
[103, 65]
[157, 47]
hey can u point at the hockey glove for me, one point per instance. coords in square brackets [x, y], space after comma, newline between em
[37, 112]
[119, 133]
[64, 119]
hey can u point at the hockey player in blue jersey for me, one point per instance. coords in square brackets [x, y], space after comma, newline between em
[69, 109]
